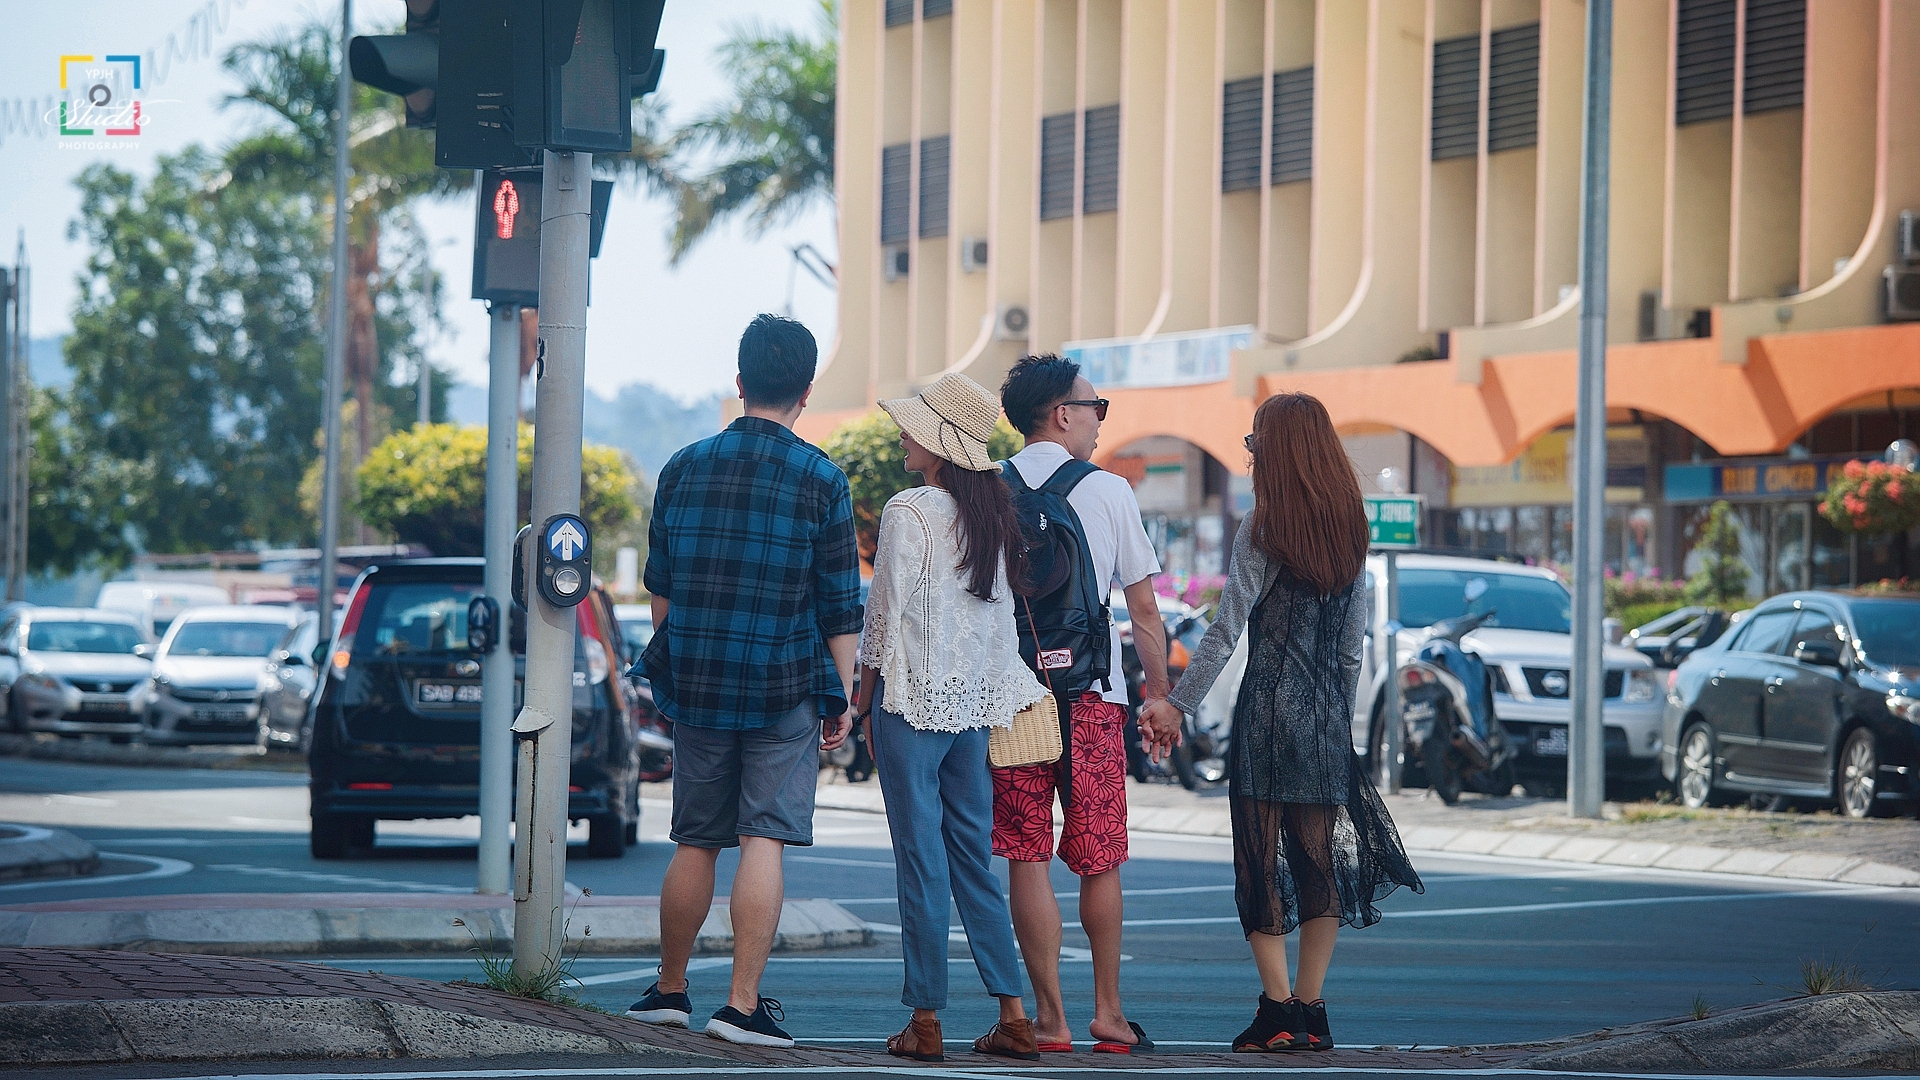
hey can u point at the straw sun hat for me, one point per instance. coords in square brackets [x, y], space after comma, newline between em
[953, 419]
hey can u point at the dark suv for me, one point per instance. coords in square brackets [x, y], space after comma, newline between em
[1814, 696]
[396, 723]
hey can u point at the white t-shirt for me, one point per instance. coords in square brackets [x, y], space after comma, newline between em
[1110, 517]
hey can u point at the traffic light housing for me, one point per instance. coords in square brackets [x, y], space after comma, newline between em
[407, 64]
[506, 235]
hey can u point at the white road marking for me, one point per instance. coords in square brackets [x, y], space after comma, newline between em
[162, 868]
[82, 800]
[335, 879]
[841, 862]
[1552, 868]
[184, 841]
[961, 1074]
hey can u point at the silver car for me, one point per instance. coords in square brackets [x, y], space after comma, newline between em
[207, 675]
[73, 671]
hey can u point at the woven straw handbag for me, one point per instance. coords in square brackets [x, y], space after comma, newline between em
[1034, 738]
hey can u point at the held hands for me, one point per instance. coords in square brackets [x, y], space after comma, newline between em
[1160, 727]
[834, 730]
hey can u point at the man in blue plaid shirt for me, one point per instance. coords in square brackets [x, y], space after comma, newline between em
[756, 594]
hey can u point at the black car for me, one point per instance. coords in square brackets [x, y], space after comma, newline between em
[1814, 696]
[396, 724]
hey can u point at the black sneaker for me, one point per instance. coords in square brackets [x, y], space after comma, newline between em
[654, 1007]
[1314, 1019]
[1276, 1026]
[756, 1030]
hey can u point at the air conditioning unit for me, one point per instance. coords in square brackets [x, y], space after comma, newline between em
[1902, 293]
[893, 261]
[1010, 323]
[1909, 237]
[973, 255]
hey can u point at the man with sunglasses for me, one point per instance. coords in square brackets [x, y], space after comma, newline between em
[1055, 407]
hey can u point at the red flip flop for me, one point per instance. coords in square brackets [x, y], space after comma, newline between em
[1055, 1048]
[1144, 1046]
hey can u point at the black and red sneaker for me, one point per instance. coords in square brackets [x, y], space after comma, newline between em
[1313, 1017]
[1277, 1025]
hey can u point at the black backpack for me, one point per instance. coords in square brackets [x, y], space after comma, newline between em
[1062, 611]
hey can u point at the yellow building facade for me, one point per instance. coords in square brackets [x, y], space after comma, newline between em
[1207, 202]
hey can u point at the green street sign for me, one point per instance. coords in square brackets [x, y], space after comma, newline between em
[1393, 521]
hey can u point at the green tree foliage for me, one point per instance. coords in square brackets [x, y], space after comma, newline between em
[1722, 577]
[768, 150]
[80, 500]
[868, 451]
[428, 485]
[195, 353]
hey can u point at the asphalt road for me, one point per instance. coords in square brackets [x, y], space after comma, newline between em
[1496, 950]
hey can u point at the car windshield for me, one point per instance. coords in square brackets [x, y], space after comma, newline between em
[416, 617]
[1889, 630]
[1519, 601]
[226, 639]
[82, 637]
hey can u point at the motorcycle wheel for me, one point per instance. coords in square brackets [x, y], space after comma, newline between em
[1443, 775]
[1413, 772]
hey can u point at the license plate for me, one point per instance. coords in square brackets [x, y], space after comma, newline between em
[221, 712]
[431, 693]
[1552, 744]
[104, 705]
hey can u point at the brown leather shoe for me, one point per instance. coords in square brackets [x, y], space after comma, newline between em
[919, 1040]
[1009, 1038]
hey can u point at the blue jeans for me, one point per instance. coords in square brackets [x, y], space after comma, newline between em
[936, 784]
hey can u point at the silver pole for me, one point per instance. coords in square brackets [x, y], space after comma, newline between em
[496, 675]
[545, 724]
[336, 337]
[1396, 751]
[426, 393]
[22, 390]
[9, 337]
[1586, 745]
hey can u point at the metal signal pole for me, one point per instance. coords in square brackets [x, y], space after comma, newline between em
[496, 672]
[1586, 744]
[544, 728]
[336, 338]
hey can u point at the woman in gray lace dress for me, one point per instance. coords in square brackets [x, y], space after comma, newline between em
[1313, 846]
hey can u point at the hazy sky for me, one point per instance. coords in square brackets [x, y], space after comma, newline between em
[673, 327]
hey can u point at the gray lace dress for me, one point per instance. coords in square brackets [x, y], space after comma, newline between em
[1311, 838]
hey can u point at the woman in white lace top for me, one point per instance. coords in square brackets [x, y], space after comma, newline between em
[940, 666]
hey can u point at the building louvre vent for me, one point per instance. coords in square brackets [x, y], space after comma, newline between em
[1292, 125]
[1100, 189]
[933, 186]
[933, 9]
[1703, 62]
[1456, 97]
[1513, 88]
[894, 192]
[1240, 135]
[1776, 55]
[1056, 166]
[899, 12]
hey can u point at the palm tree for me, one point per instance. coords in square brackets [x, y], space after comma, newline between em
[772, 143]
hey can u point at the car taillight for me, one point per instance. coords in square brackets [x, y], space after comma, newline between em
[369, 787]
[1673, 677]
[1412, 677]
[349, 625]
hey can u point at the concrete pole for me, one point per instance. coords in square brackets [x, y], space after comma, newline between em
[336, 341]
[1396, 749]
[425, 393]
[9, 337]
[496, 673]
[544, 727]
[1586, 742]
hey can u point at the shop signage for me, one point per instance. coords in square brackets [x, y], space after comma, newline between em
[1393, 521]
[1757, 480]
[1184, 359]
[1542, 474]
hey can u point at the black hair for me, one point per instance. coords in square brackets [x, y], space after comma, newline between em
[777, 361]
[1035, 385]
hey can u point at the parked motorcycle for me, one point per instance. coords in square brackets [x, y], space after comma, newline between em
[1200, 759]
[1446, 709]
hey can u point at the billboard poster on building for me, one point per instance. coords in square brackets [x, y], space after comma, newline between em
[1542, 474]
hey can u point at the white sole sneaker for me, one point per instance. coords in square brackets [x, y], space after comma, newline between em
[720, 1029]
[665, 1017]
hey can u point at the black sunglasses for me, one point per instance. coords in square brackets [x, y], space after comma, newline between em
[1248, 442]
[1098, 405]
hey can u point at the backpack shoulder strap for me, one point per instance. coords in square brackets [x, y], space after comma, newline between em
[1068, 476]
[1012, 475]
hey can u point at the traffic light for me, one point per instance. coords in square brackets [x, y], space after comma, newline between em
[572, 75]
[476, 93]
[506, 235]
[407, 64]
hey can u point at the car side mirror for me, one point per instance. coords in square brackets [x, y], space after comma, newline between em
[143, 650]
[288, 656]
[1817, 653]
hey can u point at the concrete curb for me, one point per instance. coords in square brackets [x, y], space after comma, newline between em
[91, 752]
[104, 1032]
[1549, 847]
[30, 851]
[354, 924]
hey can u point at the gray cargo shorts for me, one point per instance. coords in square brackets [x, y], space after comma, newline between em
[748, 782]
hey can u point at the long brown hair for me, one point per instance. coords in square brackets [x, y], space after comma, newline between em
[989, 529]
[1307, 513]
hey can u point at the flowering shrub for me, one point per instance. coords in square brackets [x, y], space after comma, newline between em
[1194, 590]
[1640, 598]
[1872, 497]
[1892, 587]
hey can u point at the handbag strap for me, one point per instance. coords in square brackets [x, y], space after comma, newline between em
[1065, 710]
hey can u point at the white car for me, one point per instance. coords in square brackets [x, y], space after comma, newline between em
[1528, 646]
[207, 674]
[155, 604]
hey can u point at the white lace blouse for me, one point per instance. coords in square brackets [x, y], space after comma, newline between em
[951, 661]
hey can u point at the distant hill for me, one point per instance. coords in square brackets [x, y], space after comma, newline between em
[646, 422]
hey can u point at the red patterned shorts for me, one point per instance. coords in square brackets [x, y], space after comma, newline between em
[1094, 839]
